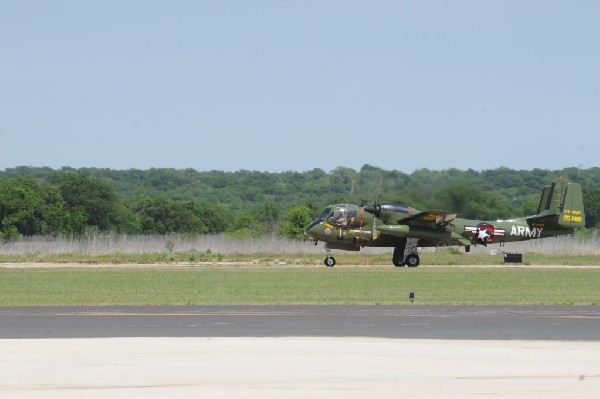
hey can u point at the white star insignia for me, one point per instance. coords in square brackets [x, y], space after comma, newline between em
[483, 235]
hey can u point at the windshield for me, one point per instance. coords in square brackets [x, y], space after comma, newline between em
[324, 214]
[344, 215]
[322, 217]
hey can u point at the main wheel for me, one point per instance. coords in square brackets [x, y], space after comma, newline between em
[398, 257]
[412, 260]
[329, 261]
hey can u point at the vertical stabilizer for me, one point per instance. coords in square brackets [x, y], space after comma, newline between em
[561, 204]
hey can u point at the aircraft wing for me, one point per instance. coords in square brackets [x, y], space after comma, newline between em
[433, 219]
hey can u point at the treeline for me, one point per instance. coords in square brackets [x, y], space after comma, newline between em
[43, 201]
[76, 205]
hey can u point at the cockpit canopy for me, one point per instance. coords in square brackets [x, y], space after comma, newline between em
[341, 215]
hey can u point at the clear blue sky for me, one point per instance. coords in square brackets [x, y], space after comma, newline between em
[296, 85]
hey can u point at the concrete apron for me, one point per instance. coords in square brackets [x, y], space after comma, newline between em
[296, 368]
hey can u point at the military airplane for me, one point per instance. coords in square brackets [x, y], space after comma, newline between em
[352, 227]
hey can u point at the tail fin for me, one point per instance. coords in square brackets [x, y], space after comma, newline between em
[561, 205]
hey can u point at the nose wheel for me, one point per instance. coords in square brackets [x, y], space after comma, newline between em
[329, 261]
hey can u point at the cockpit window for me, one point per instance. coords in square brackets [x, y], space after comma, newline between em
[343, 217]
[325, 214]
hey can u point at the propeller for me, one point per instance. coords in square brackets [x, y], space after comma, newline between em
[375, 210]
[374, 227]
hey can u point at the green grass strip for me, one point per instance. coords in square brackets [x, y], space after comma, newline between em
[297, 285]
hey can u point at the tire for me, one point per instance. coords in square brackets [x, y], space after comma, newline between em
[398, 257]
[329, 261]
[412, 260]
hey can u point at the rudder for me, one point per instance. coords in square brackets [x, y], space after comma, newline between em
[565, 200]
[573, 214]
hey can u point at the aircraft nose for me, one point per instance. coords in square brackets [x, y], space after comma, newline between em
[306, 233]
[307, 230]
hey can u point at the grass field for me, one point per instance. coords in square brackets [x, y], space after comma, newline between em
[24, 286]
[279, 271]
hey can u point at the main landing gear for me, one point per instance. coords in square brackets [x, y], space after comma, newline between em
[406, 253]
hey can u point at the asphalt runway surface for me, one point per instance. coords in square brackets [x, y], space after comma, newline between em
[561, 323]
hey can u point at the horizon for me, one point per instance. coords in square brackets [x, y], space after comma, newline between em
[297, 171]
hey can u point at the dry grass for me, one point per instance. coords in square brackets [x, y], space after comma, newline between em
[219, 244]
[121, 249]
[124, 244]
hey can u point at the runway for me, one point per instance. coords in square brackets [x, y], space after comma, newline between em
[300, 351]
[408, 322]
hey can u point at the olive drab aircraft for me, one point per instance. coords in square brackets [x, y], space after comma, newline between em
[399, 226]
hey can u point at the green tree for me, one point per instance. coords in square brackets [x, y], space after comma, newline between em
[155, 215]
[246, 224]
[295, 221]
[470, 202]
[213, 216]
[30, 207]
[95, 197]
[75, 222]
[20, 201]
[591, 204]
[53, 211]
[126, 221]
